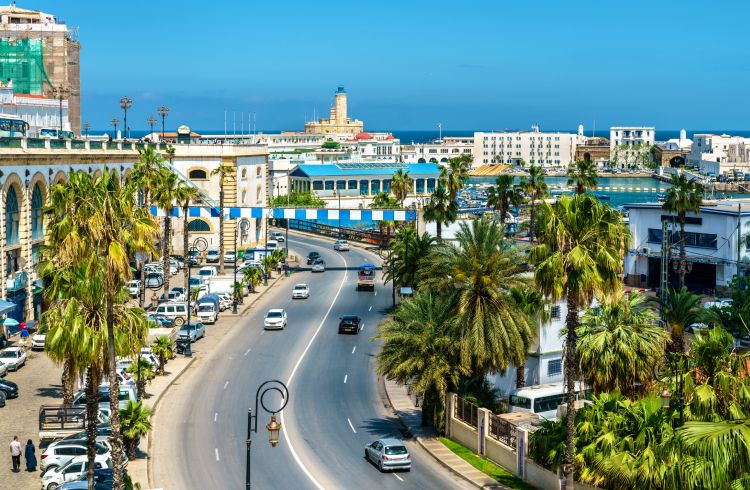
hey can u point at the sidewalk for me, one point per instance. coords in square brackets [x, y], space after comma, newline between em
[411, 417]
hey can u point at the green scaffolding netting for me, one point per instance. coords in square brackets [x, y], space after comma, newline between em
[21, 60]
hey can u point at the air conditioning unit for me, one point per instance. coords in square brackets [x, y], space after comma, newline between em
[645, 250]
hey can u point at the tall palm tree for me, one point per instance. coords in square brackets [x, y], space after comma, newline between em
[440, 209]
[680, 309]
[409, 250]
[685, 196]
[166, 193]
[583, 174]
[503, 196]
[478, 273]
[419, 347]
[580, 254]
[619, 343]
[454, 175]
[401, 184]
[223, 171]
[534, 305]
[535, 189]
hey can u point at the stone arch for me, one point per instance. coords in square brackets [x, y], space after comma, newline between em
[97, 173]
[39, 194]
[14, 206]
[244, 172]
[60, 178]
[198, 173]
[587, 157]
[677, 161]
[421, 160]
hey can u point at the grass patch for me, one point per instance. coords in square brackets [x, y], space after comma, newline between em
[486, 466]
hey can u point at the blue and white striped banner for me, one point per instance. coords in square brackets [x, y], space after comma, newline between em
[293, 213]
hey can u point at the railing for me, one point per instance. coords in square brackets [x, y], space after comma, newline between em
[36, 143]
[58, 144]
[503, 431]
[466, 412]
[78, 144]
[6, 142]
[371, 237]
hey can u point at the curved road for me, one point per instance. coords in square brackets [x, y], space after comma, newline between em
[335, 407]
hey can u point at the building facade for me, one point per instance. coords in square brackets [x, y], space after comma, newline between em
[339, 121]
[36, 110]
[532, 147]
[631, 136]
[719, 154]
[438, 151]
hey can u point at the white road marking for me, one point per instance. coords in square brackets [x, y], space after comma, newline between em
[376, 293]
[370, 308]
[262, 331]
[346, 376]
[216, 415]
[350, 425]
[355, 348]
[394, 474]
[294, 371]
[226, 383]
[216, 451]
[248, 351]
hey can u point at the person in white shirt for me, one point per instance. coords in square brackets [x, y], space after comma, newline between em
[15, 454]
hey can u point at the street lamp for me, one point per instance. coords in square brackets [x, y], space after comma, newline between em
[114, 123]
[163, 111]
[86, 128]
[273, 427]
[670, 370]
[234, 284]
[61, 92]
[125, 104]
[151, 121]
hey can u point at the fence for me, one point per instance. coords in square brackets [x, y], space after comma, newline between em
[503, 431]
[466, 412]
[370, 237]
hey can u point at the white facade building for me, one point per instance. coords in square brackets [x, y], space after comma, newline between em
[719, 154]
[681, 143]
[38, 111]
[533, 147]
[438, 151]
[631, 136]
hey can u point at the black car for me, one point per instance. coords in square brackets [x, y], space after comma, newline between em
[312, 257]
[163, 321]
[349, 324]
[2, 398]
[9, 388]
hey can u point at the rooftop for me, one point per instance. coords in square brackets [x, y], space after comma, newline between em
[723, 206]
[363, 168]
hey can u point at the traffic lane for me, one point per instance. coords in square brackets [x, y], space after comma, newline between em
[187, 421]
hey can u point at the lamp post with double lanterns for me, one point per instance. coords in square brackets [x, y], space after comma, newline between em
[273, 427]
[125, 104]
[151, 121]
[163, 111]
[86, 127]
[114, 123]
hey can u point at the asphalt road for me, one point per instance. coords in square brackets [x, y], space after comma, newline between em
[334, 410]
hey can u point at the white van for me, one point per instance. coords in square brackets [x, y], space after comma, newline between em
[542, 400]
[208, 271]
[175, 311]
[272, 245]
[207, 313]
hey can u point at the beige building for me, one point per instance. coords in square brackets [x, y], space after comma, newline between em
[533, 147]
[339, 122]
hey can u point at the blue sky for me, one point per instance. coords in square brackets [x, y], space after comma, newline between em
[412, 64]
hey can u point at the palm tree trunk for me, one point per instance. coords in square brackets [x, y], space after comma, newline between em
[683, 258]
[571, 323]
[521, 376]
[142, 294]
[92, 410]
[678, 338]
[67, 382]
[165, 250]
[221, 228]
[532, 216]
[439, 230]
[185, 245]
[118, 464]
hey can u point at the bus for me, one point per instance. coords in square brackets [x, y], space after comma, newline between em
[55, 133]
[543, 400]
[366, 277]
[12, 127]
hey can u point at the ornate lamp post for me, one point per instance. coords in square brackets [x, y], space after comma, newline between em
[61, 92]
[125, 104]
[671, 371]
[86, 128]
[114, 123]
[151, 121]
[163, 111]
[234, 285]
[273, 427]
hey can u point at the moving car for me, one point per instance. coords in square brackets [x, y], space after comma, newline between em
[212, 256]
[341, 246]
[388, 454]
[349, 324]
[319, 266]
[13, 357]
[134, 288]
[38, 339]
[278, 236]
[53, 478]
[275, 319]
[192, 330]
[366, 277]
[300, 291]
[312, 257]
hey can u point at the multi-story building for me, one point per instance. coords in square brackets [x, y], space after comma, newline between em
[438, 151]
[39, 54]
[719, 154]
[532, 147]
[631, 136]
[37, 111]
[339, 122]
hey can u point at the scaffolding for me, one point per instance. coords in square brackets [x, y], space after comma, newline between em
[21, 60]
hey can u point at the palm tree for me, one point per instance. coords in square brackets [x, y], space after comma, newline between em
[680, 309]
[419, 348]
[478, 273]
[136, 422]
[583, 174]
[183, 195]
[441, 209]
[503, 196]
[535, 189]
[685, 196]
[252, 278]
[619, 343]
[223, 171]
[167, 191]
[409, 250]
[454, 175]
[383, 200]
[580, 254]
[401, 184]
[143, 375]
[163, 348]
[536, 307]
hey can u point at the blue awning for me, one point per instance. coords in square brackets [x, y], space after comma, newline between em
[6, 306]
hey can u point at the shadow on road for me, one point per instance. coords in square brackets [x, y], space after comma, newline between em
[53, 391]
[386, 427]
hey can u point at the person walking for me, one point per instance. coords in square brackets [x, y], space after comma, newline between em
[15, 454]
[30, 456]
[24, 335]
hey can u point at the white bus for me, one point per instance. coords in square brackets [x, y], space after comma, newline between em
[542, 400]
[12, 126]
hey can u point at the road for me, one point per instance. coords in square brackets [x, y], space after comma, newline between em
[335, 408]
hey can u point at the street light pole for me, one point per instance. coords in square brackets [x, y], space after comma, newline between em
[86, 128]
[234, 285]
[273, 427]
[151, 121]
[125, 104]
[163, 111]
[115, 122]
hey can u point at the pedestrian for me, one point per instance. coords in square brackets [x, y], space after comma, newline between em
[24, 334]
[30, 455]
[15, 454]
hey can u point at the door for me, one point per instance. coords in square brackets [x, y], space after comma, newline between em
[72, 471]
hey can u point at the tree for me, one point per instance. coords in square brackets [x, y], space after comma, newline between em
[583, 174]
[503, 196]
[419, 348]
[619, 343]
[183, 195]
[441, 209]
[535, 189]
[477, 272]
[580, 254]
[383, 200]
[168, 190]
[223, 171]
[454, 175]
[145, 375]
[401, 184]
[136, 422]
[408, 251]
[685, 196]
[163, 348]
[534, 305]
[297, 200]
[252, 278]
[680, 309]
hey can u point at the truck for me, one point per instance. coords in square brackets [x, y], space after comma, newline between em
[207, 312]
[366, 277]
[211, 299]
[220, 285]
[58, 421]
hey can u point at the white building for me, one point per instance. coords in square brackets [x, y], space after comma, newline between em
[681, 143]
[37, 110]
[715, 239]
[533, 147]
[631, 136]
[719, 154]
[439, 150]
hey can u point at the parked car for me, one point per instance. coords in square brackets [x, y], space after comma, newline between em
[38, 339]
[208, 271]
[3, 369]
[53, 478]
[300, 291]
[388, 454]
[207, 313]
[161, 320]
[176, 294]
[102, 481]
[103, 431]
[319, 266]
[312, 257]
[214, 299]
[9, 388]
[194, 257]
[349, 324]
[341, 246]
[176, 311]
[230, 256]
[2, 399]
[212, 256]
[278, 236]
[13, 357]
[60, 454]
[134, 288]
[192, 331]
[226, 301]
[275, 319]
[154, 280]
[127, 392]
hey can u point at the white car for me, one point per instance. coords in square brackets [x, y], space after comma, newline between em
[275, 319]
[341, 246]
[207, 313]
[212, 256]
[319, 266]
[38, 340]
[60, 453]
[134, 288]
[278, 236]
[13, 357]
[230, 257]
[53, 478]
[226, 301]
[300, 291]
[208, 271]
[3, 369]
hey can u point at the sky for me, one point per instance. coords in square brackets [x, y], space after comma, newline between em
[413, 64]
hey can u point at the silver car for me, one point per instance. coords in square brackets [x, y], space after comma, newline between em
[341, 246]
[319, 266]
[275, 320]
[389, 454]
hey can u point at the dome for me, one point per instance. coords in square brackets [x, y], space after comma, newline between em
[389, 137]
[363, 136]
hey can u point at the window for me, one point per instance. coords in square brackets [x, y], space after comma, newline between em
[257, 171]
[329, 185]
[555, 313]
[244, 172]
[197, 174]
[37, 223]
[12, 217]
[198, 225]
[520, 401]
[548, 403]
[692, 239]
[554, 367]
[317, 185]
[352, 184]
